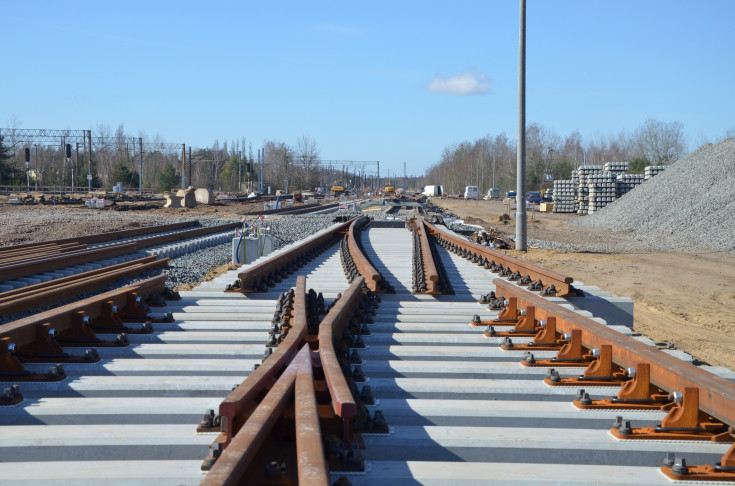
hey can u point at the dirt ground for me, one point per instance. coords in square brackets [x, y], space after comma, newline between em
[680, 298]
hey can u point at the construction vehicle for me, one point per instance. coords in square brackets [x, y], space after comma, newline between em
[389, 190]
[337, 190]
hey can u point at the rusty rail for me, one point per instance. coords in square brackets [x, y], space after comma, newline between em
[35, 264]
[11, 255]
[431, 275]
[252, 409]
[295, 383]
[49, 293]
[109, 236]
[40, 332]
[366, 269]
[343, 403]
[250, 280]
[562, 283]
[236, 407]
[716, 395]
[32, 266]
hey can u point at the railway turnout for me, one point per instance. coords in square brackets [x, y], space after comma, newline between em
[364, 354]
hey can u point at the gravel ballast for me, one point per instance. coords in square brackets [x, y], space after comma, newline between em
[689, 205]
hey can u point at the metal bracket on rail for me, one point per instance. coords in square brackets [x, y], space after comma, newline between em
[600, 372]
[45, 348]
[683, 422]
[509, 316]
[547, 339]
[109, 321]
[571, 355]
[136, 310]
[677, 468]
[525, 327]
[636, 394]
[12, 369]
[80, 334]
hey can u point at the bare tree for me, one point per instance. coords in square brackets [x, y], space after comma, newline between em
[307, 155]
[660, 142]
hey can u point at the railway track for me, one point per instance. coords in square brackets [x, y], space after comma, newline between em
[410, 387]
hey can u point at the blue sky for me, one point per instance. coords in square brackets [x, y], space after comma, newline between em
[388, 81]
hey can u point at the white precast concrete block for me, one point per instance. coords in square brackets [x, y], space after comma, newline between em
[251, 248]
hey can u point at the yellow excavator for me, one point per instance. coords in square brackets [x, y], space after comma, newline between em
[337, 190]
[389, 190]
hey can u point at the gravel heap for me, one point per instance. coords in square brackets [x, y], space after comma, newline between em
[690, 205]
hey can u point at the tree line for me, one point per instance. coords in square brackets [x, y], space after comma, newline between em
[491, 160]
[116, 157]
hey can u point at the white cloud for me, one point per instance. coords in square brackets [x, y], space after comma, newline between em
[345, 30]
[470, 82]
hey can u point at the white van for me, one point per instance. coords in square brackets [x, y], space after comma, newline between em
[471, 192]
[431, 191]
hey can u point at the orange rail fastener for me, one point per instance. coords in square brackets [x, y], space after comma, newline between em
[683, 422]
[553, 282]
[714, 398]
[547, 339]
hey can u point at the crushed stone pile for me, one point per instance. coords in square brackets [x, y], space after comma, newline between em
[688, 206]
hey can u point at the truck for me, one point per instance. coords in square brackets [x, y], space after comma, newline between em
[431, 191]
[471, 192]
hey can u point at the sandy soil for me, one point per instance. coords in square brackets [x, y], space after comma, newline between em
[680, 298]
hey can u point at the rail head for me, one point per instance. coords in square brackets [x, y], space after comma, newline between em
[343, 402]
[366, 269]
[717, 395]
[231, 467]
[432, 275]
[266, 374]
[562, 283]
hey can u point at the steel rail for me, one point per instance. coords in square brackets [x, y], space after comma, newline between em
[312, 466]
[431, 275]
[110, 236]
[366, 269]
[249, 278]
[39, 265]
[562, 283]
[716, 396]
[343, 403]
[33, 266]
[295, 383]
[49, 293]
[235, 407]
[39, 333]
[22, 331]
[12, 255]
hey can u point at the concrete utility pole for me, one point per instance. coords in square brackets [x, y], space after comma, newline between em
[189, 167]
[521, 237]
